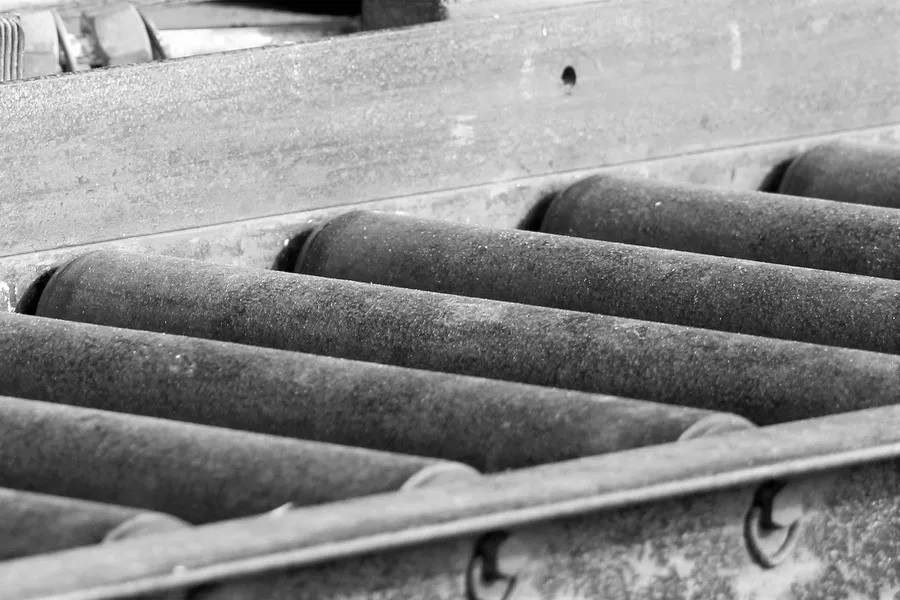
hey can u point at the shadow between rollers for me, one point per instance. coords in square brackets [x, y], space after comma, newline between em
[772, 180]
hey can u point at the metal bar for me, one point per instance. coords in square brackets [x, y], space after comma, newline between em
[490, 425]
[762, 379]
[222, 131]
[32, 524]
[635, 282]
[817, 234]
[196, 473]
[847, 172]
[655, 498]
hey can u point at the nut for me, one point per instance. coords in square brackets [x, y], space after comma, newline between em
[120, 35]
[41, 44]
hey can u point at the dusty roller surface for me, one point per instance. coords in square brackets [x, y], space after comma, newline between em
[196, 473]
[490, 425]
[847, 172]
[37, 523]
[804, 232]
[763, 379]
[637, 282]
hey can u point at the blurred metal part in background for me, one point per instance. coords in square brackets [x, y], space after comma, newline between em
[121, 33]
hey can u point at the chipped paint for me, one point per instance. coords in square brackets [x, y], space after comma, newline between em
[7, 297]
[462, 133]
[526, 81]
[737, 52]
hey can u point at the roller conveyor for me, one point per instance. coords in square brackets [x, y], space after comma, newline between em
[417, 313]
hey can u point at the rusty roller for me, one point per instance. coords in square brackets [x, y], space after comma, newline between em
[193, 472]
[37, 523]
[762, 379]
[488, 424]
[636, 282]
[817, 234]
[847, 172]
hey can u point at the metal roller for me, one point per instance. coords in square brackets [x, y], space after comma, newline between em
[762, 379]
[37, 523]
[818, 234]
[488, 424]
[196, 473]
[847, 172]
[605, 277]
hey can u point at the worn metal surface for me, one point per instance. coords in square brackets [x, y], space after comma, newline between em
[199, 474]
[661, 518]
[855, 173]
[804, 232]
[762, 379]
[484, 423]
[636, 282]
[233, 132]
[33, 524]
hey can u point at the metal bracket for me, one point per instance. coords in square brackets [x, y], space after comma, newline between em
[773, 524]
[494, 570]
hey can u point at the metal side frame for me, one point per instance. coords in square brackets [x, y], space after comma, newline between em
[675, 520]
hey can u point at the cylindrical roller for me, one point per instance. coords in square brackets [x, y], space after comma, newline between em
[847, 172]
[818, 234]
[637, 282]
[37, 523]
[763, 379]
[488, 424]
[196, 473]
